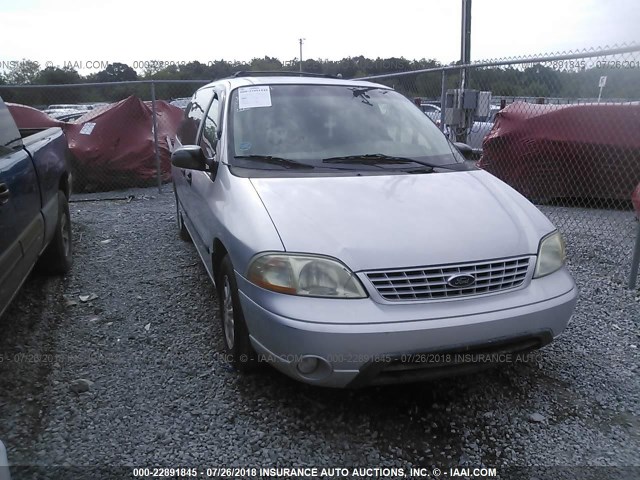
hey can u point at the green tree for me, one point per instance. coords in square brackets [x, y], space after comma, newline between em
[266, 64]
[57, 76]
[194, 71]
[544, 79]
[170, 72]
[220, 69]
[312, 66]
[535, 80]
[536, 89]
[152, 69]
[240, 66]
[116, 72]
[349, 67]
[23, 72]
[503, 88]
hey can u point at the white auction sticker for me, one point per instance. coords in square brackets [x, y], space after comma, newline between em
[87, 128]
[254, 97]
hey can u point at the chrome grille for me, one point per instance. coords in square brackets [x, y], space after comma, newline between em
[430, 283]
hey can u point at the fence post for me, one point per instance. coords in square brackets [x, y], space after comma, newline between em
[443, 94]
[635, 261]
[155, 135]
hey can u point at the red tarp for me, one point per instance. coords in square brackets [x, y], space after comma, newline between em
[117, 151]
[635, 199]
[29, 117]
[113, 145]
[585, 151]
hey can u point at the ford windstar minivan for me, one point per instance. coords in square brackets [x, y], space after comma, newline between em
[350, 243]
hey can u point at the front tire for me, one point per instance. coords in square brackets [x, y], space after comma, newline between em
[236, 340]
[58, 256]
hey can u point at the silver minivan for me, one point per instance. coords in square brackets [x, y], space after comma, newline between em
[350, 243]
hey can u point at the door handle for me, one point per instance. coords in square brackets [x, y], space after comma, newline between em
[189, 178]
[4, 193]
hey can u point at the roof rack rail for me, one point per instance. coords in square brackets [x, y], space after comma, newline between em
[262, 73]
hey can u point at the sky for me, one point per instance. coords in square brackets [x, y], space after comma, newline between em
[87, 33]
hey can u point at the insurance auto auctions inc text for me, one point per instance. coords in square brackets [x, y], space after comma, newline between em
[316, 472]
[376, 472]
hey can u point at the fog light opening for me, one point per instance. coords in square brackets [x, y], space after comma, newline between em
[308, 365]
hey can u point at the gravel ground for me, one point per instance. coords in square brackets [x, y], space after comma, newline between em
[161, 394]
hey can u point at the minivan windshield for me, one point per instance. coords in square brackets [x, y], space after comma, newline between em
[331, 125]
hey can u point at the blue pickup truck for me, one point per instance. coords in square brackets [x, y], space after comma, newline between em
[35, 184]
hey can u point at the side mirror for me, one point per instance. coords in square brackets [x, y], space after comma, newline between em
[189, 156]
[465, 150]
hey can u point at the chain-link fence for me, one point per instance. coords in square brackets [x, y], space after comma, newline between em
[119, 133]
[562, 129]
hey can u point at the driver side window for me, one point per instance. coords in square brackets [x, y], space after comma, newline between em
[209, 137]
[193, 116]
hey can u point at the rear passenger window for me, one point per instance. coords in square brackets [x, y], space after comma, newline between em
[193, 116]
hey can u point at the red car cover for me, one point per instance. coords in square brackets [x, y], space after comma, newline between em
[29, 117]
[113, 146]
[589, 151]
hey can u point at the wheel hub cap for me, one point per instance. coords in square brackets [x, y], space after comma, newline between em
[227, 313]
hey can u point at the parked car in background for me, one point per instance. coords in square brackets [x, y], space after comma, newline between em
[98, 105]
[35, 184]
[70, 112]
[475, 136]
[481, 127]
[549, 152]
[71, 106]
[62, 110]
[69, 116]
[180, 102]
[349, 242]
[491, 117]
[432, 111]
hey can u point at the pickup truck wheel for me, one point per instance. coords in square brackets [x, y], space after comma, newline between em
[237, 345]
[57, 257]
[183, 233]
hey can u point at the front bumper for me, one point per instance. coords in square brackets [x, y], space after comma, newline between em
[362, 342]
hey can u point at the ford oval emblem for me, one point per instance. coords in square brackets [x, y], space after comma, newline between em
[461, 281]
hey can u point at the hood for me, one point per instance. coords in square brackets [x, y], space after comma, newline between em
[395, 221]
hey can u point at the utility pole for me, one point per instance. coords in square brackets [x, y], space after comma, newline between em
[301, 40]
[465, 42]
[465, 58]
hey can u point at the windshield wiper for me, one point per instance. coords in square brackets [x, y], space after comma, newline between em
[284, 162]
[377, 158]
[371, 158]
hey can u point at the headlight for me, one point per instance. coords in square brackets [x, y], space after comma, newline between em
[551, 255]
[304, 275]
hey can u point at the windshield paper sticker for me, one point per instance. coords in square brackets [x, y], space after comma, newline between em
[87, 128]
[254, 97]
